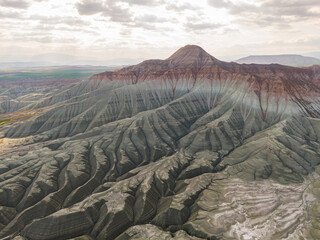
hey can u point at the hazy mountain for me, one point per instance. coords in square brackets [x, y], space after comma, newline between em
[24, 64]
[189, 147]
[313, 54]
[289, 60]
[52, 59]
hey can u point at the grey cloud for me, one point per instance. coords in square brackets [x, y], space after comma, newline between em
[72, 21]
[291, 3]
[20, 4]
[120, 14]
[142, 2]
[219, 3]
[141, 24]
[202, 26]
[14, 15]
[151, 18]
[89, 7]
[117, 14]
[234, 8]
[55, 20]
[125, 32]
[180, 7]
[152, 26]
[266, 21]
[108, 8]
[278, 13]
[272, 7]
[41, 39]
[151, 22]
[291, 8]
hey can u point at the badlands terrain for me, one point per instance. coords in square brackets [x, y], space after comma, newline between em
[189, 147]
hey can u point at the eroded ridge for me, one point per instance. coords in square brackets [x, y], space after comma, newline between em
[184, 148]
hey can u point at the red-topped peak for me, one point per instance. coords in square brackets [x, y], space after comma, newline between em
[191, 54]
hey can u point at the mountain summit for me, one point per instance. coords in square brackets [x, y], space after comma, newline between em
[190, 55]
[191, 66]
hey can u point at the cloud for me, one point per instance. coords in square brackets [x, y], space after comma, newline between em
[89, 7]
[279, 8]
[143, 2]
[117, 13]
[269, 12]
[197, 23]
[197, 27]
[233, 8]
[219, 3]
[120, 13]
[151, 18]
[294, 8]
[13, 15]
[20, 4]
[55, 20]
[124, 32]
[180, 7]
[110, 9]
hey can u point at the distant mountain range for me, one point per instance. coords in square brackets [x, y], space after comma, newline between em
[313, 54]
[286, 59]
[53, 59]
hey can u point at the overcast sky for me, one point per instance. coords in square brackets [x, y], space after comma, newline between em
[145, 29]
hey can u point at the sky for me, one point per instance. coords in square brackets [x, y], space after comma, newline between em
[144, 29]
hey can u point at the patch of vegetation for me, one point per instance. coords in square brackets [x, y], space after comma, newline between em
[2, 122]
